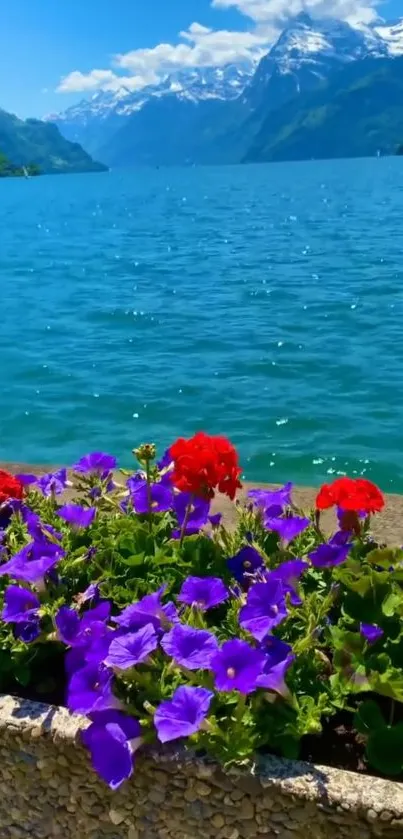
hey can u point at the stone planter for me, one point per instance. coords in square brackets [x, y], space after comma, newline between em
[48, 789]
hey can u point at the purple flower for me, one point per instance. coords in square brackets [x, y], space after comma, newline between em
[27, 480]
[288, 528]
[157, 499]
[215, 520]
[245, 563]
[195, 519]
[237, 666]
[96, 463]
[90, 689]
[265, 608]
[289, 574]
[332, 553]
[189, 647]
[33, 562]
[183, 715]
[266, 498]
[90, 634]
[278, 659]
[148, 610]
[27, 632]
[38, 530]
[128, 650]
[166, 460]
[67, 624]
[203, 592]
[371, 632]
[79, 517]
[20, 605]
[90, 593]
[53, 484]
[109, 740]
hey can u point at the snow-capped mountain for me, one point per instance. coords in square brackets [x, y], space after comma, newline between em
[212, 114]
[105, 112]
[306, 53]
[392, 35]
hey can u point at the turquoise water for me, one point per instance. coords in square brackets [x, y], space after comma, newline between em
[263, 302]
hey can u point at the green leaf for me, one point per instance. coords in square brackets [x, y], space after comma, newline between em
[385, 750]
[389, 683]
[391, 604]
[368, 717]
[385, 557]
[133, 561]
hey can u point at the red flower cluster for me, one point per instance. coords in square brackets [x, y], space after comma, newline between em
[10, 487]
[351, 494]
[204, 464]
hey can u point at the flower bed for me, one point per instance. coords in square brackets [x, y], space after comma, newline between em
[139, 610]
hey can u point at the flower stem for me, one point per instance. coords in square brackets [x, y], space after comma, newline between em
[185, 521]
[392, 712]
[149, 499]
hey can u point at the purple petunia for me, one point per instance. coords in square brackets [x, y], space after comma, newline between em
[157, 498]
[165, 461]
[278, 659]
[91, 593]
[128, 650]
[27, 632]
[203, 592]
[194, 510]
[96, 463]
[20, 605]
[215, 520]
[149, 609]
[245, 563]
[288, 528]
[110, 740]
[33, 562]
[89, 634]
[53, 483]
[27, 479]
[189, 647]
[333, 552]
[266, 498]
[371, 632]
[79, 517]
[265, 608]
[90, 689]
[289, 574]
[184, 714]
[237, 666]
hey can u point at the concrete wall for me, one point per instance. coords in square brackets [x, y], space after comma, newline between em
[48, 789]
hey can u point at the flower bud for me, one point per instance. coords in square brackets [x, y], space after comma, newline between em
[145, 453]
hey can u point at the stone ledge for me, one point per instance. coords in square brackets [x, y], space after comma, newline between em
[49, 789]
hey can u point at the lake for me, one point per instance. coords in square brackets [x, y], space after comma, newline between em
[262, 302]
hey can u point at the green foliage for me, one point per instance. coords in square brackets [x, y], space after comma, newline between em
[333, 665]
[39, 147]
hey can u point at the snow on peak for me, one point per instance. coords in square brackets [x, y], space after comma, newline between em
[392, 34]
[192, 84]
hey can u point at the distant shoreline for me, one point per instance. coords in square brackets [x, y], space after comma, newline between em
[386, 527]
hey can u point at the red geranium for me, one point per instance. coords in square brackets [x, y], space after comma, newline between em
[10, 487]
[351, 494]
[204, 464]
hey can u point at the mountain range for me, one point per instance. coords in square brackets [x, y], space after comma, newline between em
[325, 88]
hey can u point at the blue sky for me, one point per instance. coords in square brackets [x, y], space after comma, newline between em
[55, 52]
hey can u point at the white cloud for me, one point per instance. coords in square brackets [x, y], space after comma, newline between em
[274, 11]
[77, 82]
[200, 46]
